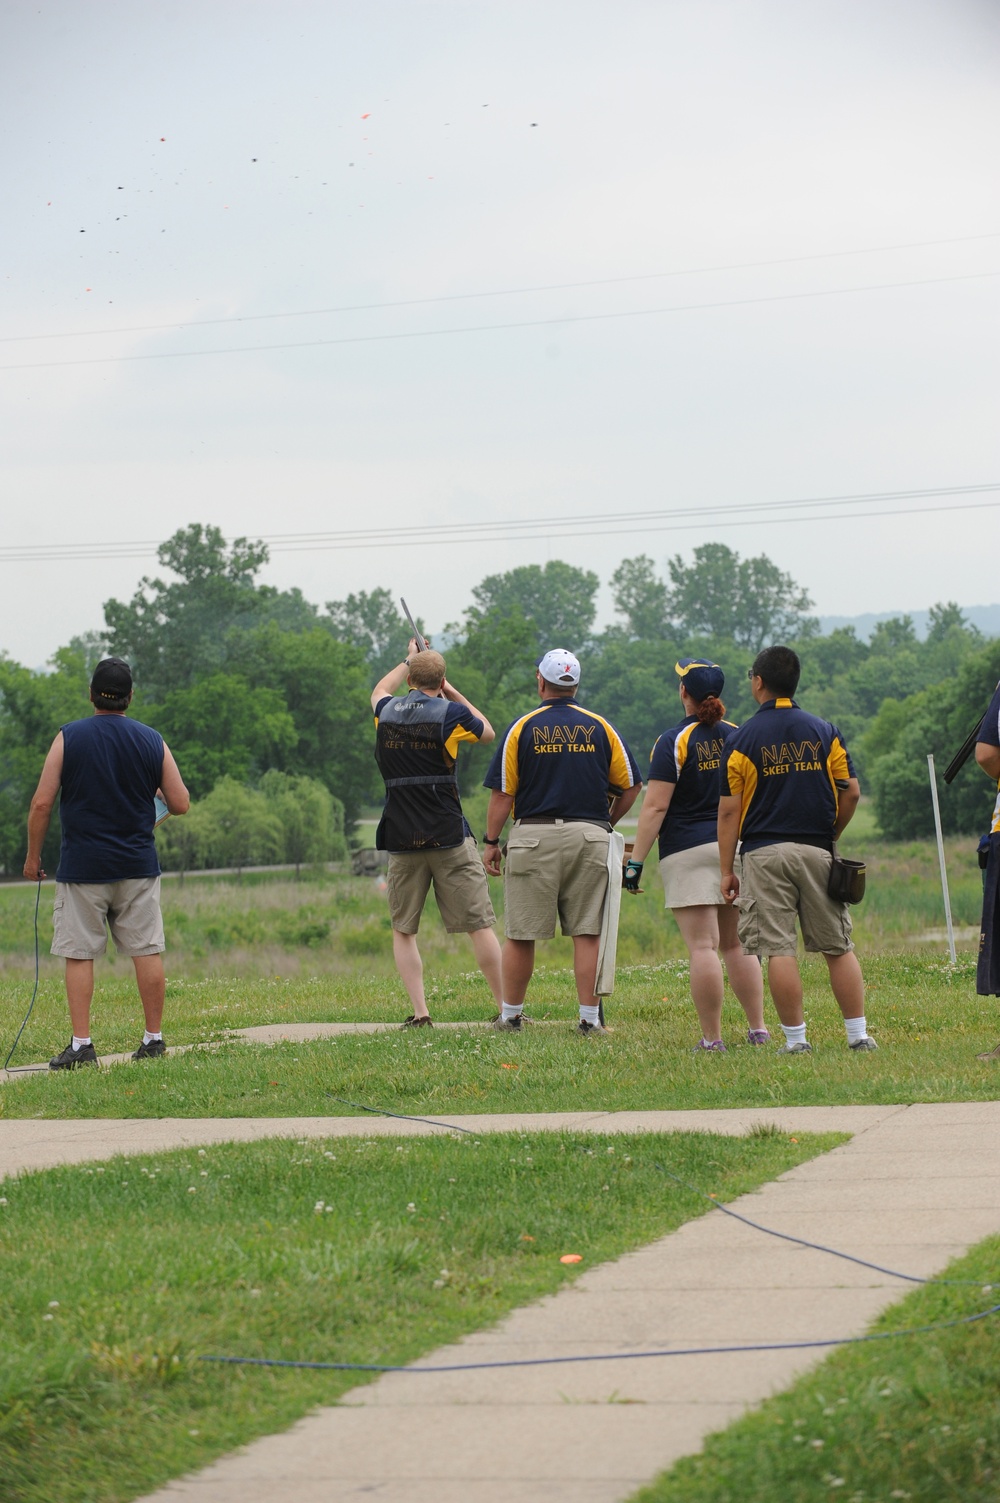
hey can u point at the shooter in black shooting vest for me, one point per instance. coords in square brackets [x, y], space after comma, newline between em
[423, 827]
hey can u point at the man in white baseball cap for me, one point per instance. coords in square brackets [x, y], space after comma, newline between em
[567, 776]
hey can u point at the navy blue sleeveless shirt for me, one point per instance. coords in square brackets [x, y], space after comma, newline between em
[111, 771]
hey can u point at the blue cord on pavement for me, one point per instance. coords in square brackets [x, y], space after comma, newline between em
[688, 1351]
[911, 1278]
[380, 1111]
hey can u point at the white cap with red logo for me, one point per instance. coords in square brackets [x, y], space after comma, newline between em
[560, 667]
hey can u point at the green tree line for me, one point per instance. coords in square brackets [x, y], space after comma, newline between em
[246, 681]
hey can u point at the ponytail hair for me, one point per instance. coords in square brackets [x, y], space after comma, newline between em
[710, 710]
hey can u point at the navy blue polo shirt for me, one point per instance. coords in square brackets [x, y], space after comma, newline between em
[787, 768]
[689, 755]
[562, 761]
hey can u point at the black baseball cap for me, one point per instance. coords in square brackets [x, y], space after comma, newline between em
[112, 679]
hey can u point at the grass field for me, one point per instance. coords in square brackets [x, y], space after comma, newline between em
[929, 1023]
[331, 925]
[339, 1251]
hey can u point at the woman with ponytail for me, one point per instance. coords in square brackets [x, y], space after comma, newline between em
[680, 810]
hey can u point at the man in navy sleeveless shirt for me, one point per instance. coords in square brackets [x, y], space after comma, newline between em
[106, 771]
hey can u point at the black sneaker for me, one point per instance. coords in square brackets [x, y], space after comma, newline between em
[70, 1057]
[864, 1045]
[415, 1022]
[155, 1049]
[509, 1025]
[589, 1030]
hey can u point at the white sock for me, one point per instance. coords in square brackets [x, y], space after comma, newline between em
[510, 1010]
[149, 1038]
[80, 1043]
[856, 1029]
[795, 1033]
[590, 1014]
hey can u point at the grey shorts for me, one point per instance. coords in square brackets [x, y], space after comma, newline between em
[780, 883]
[84, 911]
[555, 871]
[460, 888]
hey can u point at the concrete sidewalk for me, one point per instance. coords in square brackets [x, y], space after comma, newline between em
[915, 1187]
[38, 1143]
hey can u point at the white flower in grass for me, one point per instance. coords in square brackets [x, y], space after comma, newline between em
[318, 1206]
[48, 1317]
[192, 1189]
[53, 1304]
[3, 1200]
[411, 1206]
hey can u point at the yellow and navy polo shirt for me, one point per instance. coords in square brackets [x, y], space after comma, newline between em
[689, 755]
[787, 768]
[562, 761]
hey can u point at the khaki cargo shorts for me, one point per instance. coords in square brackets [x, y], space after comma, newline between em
[692, 879]
[780, 883]
[555, 871]
[460, 888]
[84, 911]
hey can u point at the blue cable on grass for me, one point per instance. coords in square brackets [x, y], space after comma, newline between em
[690, 1351]
[27, 1069]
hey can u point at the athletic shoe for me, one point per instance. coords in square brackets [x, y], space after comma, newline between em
[799, 1047]
[70, 1057]
[155, 1049]
[509, 1025]
[704, 1047]
[863, 1044]
[758, 1036]
[587, 1030]
[415, 1022]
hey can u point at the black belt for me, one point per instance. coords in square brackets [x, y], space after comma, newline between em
[564, 819]
[413, 782]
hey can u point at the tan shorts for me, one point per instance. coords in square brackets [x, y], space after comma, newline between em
[692, 879]
[460, 888]
[130, 909]
[555, 871]
[780, 882]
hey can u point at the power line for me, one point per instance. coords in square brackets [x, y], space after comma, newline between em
[533, 323]
[820, 509]
[449, 529]
[461, 297]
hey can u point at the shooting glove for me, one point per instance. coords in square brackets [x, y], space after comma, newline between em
[631, 876]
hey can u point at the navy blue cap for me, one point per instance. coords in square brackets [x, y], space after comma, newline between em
[700, 677]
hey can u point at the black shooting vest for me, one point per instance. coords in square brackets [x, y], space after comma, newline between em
[422, 806]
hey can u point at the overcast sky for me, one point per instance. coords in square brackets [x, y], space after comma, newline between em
[246, 162]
